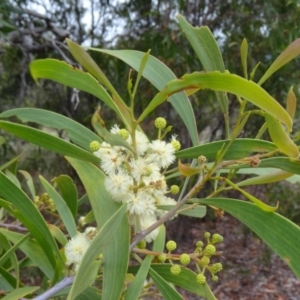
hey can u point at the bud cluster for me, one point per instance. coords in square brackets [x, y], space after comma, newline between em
[204, 257]
[44, 202]
[201, 257]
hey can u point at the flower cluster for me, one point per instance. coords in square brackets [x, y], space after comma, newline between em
[77, 246]
[135, 177]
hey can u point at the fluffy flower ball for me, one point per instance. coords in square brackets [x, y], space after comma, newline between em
[76, 248]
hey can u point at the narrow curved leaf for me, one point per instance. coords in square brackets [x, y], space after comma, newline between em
[240, 148]
[33, 250]
[263, 172]
[244, 56]
[283, 163]
[7, 281]
[20, 293]
[28, 214]
[58, 234]
[159, 75]
[167, 291]
[281, 138]
[279, 233]
[90, 293]
[9, 252]
[12, 178]
[160, 241]
[196, 211]
[204, 44]
[10, 163]
[103, 238]
[89, 217]
[90, 65]
[187, 170]
[292, 51]
[186, 280]
[136, 286]
[77, 133]
[2, 141]
[224, 82]
[252, 74]
[61, 72]
[141, 69]
[291, 103]
[29, 182]
[115, 265]
[208, 52]
[68, 191]
[61, 206]
[270, 177]
[93, 180]
[258, 202]
[47, 141]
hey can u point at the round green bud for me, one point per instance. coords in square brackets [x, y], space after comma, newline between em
[201, 279]
[45, 198]
[36, 200]
[215, 278]
[51, 203]
[52, 208]
[123, 133]
[142, 244]
[207, 235]
[204, 261]
[215, 268]
[199, 244]
[209, 250]
[185, 259]
[175, 269]
[160, 123]
[201, 159]
[147, 171]
[162, 257]
[171, 245]
[174, 189]
[216, 238]
[94, 146]
[176, 144]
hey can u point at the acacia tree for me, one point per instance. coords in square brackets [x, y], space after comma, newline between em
[125, 177]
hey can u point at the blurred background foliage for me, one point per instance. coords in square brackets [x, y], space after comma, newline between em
[31, 29]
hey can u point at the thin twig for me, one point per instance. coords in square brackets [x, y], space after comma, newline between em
[58, 287]
[13, 226]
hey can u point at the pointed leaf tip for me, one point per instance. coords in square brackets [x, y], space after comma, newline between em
[281, 138]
